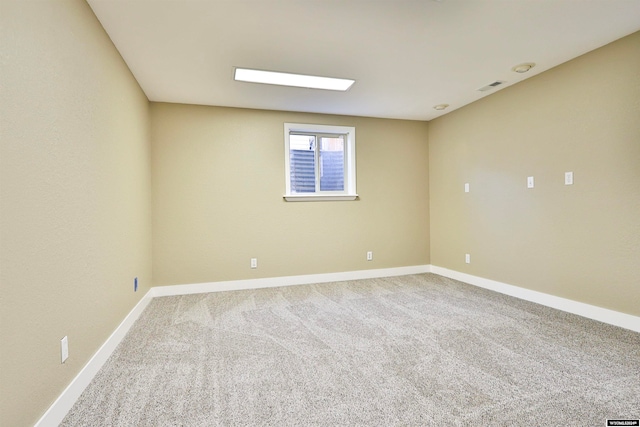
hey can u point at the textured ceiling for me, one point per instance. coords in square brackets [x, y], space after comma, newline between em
[405, 55]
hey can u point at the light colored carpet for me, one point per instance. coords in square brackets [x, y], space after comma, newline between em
[416, 350]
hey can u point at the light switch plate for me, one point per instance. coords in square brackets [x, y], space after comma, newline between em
[466, 187]
[530, 182]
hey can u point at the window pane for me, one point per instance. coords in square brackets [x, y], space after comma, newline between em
[302, 157]
[332, 163]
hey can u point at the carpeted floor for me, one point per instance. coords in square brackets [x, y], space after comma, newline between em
[417, 350]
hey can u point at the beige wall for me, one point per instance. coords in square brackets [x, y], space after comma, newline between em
[580, 242]
[218, 182]
[74, 198]
[78, 199]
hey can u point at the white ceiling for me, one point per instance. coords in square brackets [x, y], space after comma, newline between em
[405, 55]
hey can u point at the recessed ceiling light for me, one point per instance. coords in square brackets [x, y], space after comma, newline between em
[523, 68]
[288, 79]
[440, 107]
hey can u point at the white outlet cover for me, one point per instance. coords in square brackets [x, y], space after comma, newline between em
[64, 349]
[568, 178]
[254, 262]
[467, 258]
[466, 187]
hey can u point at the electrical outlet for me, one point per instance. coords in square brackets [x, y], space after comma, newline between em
[369, 256]
[64, 349]
[467, 258]
[466, 187]
[568, 178]
[254, 262]
[135, 284]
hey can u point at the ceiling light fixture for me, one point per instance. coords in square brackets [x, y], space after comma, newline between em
[440, 107]
[288, 79]
[523, 68]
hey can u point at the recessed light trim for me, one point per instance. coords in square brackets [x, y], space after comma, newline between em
[289, 79]
[440, 107]
[523, 68]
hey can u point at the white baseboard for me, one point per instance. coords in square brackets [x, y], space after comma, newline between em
[58, 410]
[611, 317]
[271, 282]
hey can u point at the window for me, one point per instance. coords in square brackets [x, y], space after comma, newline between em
[320, 162]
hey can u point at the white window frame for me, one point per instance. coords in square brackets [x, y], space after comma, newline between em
[349, 192]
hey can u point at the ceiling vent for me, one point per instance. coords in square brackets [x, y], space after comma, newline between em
[491, 86]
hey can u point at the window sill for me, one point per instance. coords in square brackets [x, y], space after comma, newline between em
[318, 197]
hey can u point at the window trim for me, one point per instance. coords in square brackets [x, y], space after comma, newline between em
[349, 192]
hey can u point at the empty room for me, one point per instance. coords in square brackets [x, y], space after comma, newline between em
[317, 212]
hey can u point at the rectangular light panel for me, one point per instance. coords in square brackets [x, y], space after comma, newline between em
[296, 80]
